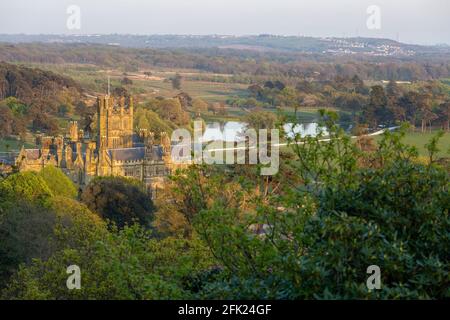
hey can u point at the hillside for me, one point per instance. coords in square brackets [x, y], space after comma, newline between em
[30, 84]
[237, 61]
[265, 42]
[34, 100]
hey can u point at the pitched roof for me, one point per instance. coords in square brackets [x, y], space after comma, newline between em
[137, 153]
[157, 153]
[127, 154]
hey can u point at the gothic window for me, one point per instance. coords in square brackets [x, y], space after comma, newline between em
[116, 125]
[161, 170]
[129, 171]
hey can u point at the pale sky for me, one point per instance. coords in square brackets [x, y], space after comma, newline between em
[413, 21]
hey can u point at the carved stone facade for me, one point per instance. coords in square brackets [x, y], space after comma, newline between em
[115, 122]
[111, 153]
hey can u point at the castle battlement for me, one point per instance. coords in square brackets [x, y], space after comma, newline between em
[115, 104]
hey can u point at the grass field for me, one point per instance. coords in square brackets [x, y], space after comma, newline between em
[7, 145]
[419, 140]
[208, 91]
[304, 115]
[94, 80]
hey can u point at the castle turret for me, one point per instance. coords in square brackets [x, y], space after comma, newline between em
[102, 116]
[46, 145]
[73, 131]
[149, 139]
[122, 105]
[79, 149]
[80, 135]
[165, 143]
[59, 143]
[130, 106]
[143, 134]
[115, 122]
[68, 156]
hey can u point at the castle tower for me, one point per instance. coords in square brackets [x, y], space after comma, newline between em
[115, 122]
[47, 143]
[143, 134]
[148, 144]
[79, 151]
[59, 143]
[73, 131]
[80, 135]
[68, 156]
[165, 143]
[126, 112]
[102, 114]
[149, 139]
[90, 159]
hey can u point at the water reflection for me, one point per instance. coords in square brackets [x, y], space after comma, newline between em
[232, 130]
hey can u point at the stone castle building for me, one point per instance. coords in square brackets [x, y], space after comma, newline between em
[115, 151]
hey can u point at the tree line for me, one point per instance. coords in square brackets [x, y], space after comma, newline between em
[241, 63]
[424, 104]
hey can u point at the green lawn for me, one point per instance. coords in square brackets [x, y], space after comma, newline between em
[304, 115]
[94, 79]
[7, 145]
[419, 140]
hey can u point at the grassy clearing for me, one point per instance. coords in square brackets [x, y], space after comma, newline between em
[419, 140]
[304, 115]
[416, 139]
[8, 145]
[208, 91]
[94, 80]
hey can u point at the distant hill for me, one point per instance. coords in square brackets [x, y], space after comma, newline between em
[30, 85]
[264, 56]
[34, 99]
[369, 46]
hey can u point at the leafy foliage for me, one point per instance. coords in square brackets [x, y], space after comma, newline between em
[309, 232]
[24, 235]
[126, 264]
[31, 231]
[58, 182]
[317, 239]
[120, 200]
[24, 186]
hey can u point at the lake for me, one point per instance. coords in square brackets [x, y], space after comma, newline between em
[231, 130]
